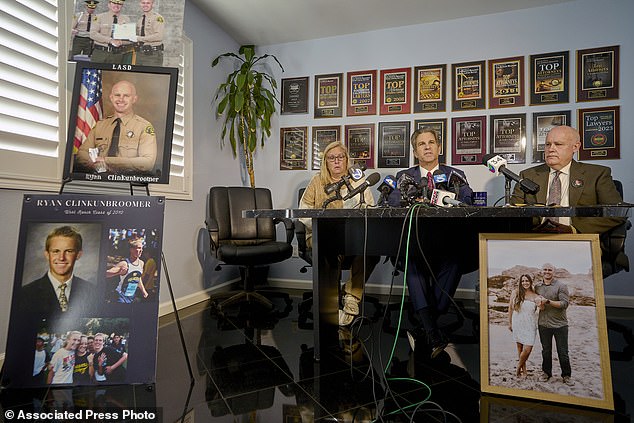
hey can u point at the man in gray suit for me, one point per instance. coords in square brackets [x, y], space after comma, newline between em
[580, 184]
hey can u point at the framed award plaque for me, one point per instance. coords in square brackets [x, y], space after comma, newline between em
[394, 148]
[322, 136]
[360, 143]
[430, 88]
[469, 140]
[328, 95]
[599, 129]
[395, 91]
[506, 82]
[542, 124]
[440, 127]
[293, 145]
[295, 95]
[598, 74]
[361, 93]
[549, 78]
[508, 137]
[469, 86]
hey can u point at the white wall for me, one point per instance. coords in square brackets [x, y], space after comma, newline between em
[570, 26]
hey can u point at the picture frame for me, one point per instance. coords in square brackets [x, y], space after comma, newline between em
[508, 137]
[494, 408]
[469, 86]
[293, 148]
[328, 96]
[440, 126]
[599, 130]
[550, 78]
[598, 74]
[97, 232]
[361, 93]
[505, 259]
[359, 140]
[322, 136]
[543, 122]
[506, 82]
[393, 144]
[430, 88]
[395, 91]
[92, 110]
[295, 95]
[469, 135]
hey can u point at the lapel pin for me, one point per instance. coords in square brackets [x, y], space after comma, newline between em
[130, 134]
[577, 183]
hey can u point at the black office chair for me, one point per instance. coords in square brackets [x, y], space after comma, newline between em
[613, 258]
[244, 242]
[305, 253]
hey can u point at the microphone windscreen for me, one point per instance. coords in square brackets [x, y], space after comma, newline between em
[486, 158]
[373, 178]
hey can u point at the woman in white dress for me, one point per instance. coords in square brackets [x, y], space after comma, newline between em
[523, 313]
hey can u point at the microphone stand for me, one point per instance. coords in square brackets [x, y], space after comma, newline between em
[507, 191]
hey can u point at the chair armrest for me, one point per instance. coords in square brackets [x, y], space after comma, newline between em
[212, 230]
[289, 225]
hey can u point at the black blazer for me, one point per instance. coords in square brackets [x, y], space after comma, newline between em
[39, 296]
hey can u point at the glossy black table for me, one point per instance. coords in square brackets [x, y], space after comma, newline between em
[377, 232]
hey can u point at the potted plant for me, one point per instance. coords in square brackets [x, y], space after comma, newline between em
[246, 100]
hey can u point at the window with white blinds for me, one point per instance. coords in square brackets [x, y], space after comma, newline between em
[31, 125]
[33, 112]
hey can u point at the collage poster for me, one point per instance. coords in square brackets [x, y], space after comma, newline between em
[84, 309]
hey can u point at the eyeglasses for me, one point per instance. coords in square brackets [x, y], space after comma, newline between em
[339, 157]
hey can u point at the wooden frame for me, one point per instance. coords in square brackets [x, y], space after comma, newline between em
[361, 93]
[469, 86]
[293, 148]
[508, 137]
[328, 96]
[577, 262]
[322, 136]
[598, 74]
[430, 88]
[543, 122]
[549, 78]
[600, 130]
[506, 82]
[360, 143]
[395, 91]
[469, 140]
[295, 95]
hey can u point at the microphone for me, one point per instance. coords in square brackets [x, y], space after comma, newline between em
[387, 186]
[497, 164]
[445, 198]
[355, 172]
[408, 188]
[440, 179]
[456, 180]
[369, 181]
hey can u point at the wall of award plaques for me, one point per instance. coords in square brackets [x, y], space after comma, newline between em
[462, 91]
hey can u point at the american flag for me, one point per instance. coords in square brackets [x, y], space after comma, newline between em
[89, 110]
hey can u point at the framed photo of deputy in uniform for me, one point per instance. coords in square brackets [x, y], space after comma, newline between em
[121, 124]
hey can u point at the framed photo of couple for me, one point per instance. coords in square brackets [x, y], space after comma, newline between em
[542, 318]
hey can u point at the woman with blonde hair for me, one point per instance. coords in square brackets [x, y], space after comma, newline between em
[335, 163]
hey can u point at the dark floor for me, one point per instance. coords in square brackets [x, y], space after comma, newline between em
[258, 367]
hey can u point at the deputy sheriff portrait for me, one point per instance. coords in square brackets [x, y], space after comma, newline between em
[123, 143]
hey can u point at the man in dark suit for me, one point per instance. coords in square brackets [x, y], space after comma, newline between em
[59, 290]
[580, 184]
[431, 287]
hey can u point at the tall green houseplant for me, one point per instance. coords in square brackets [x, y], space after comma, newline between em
[247, 101]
